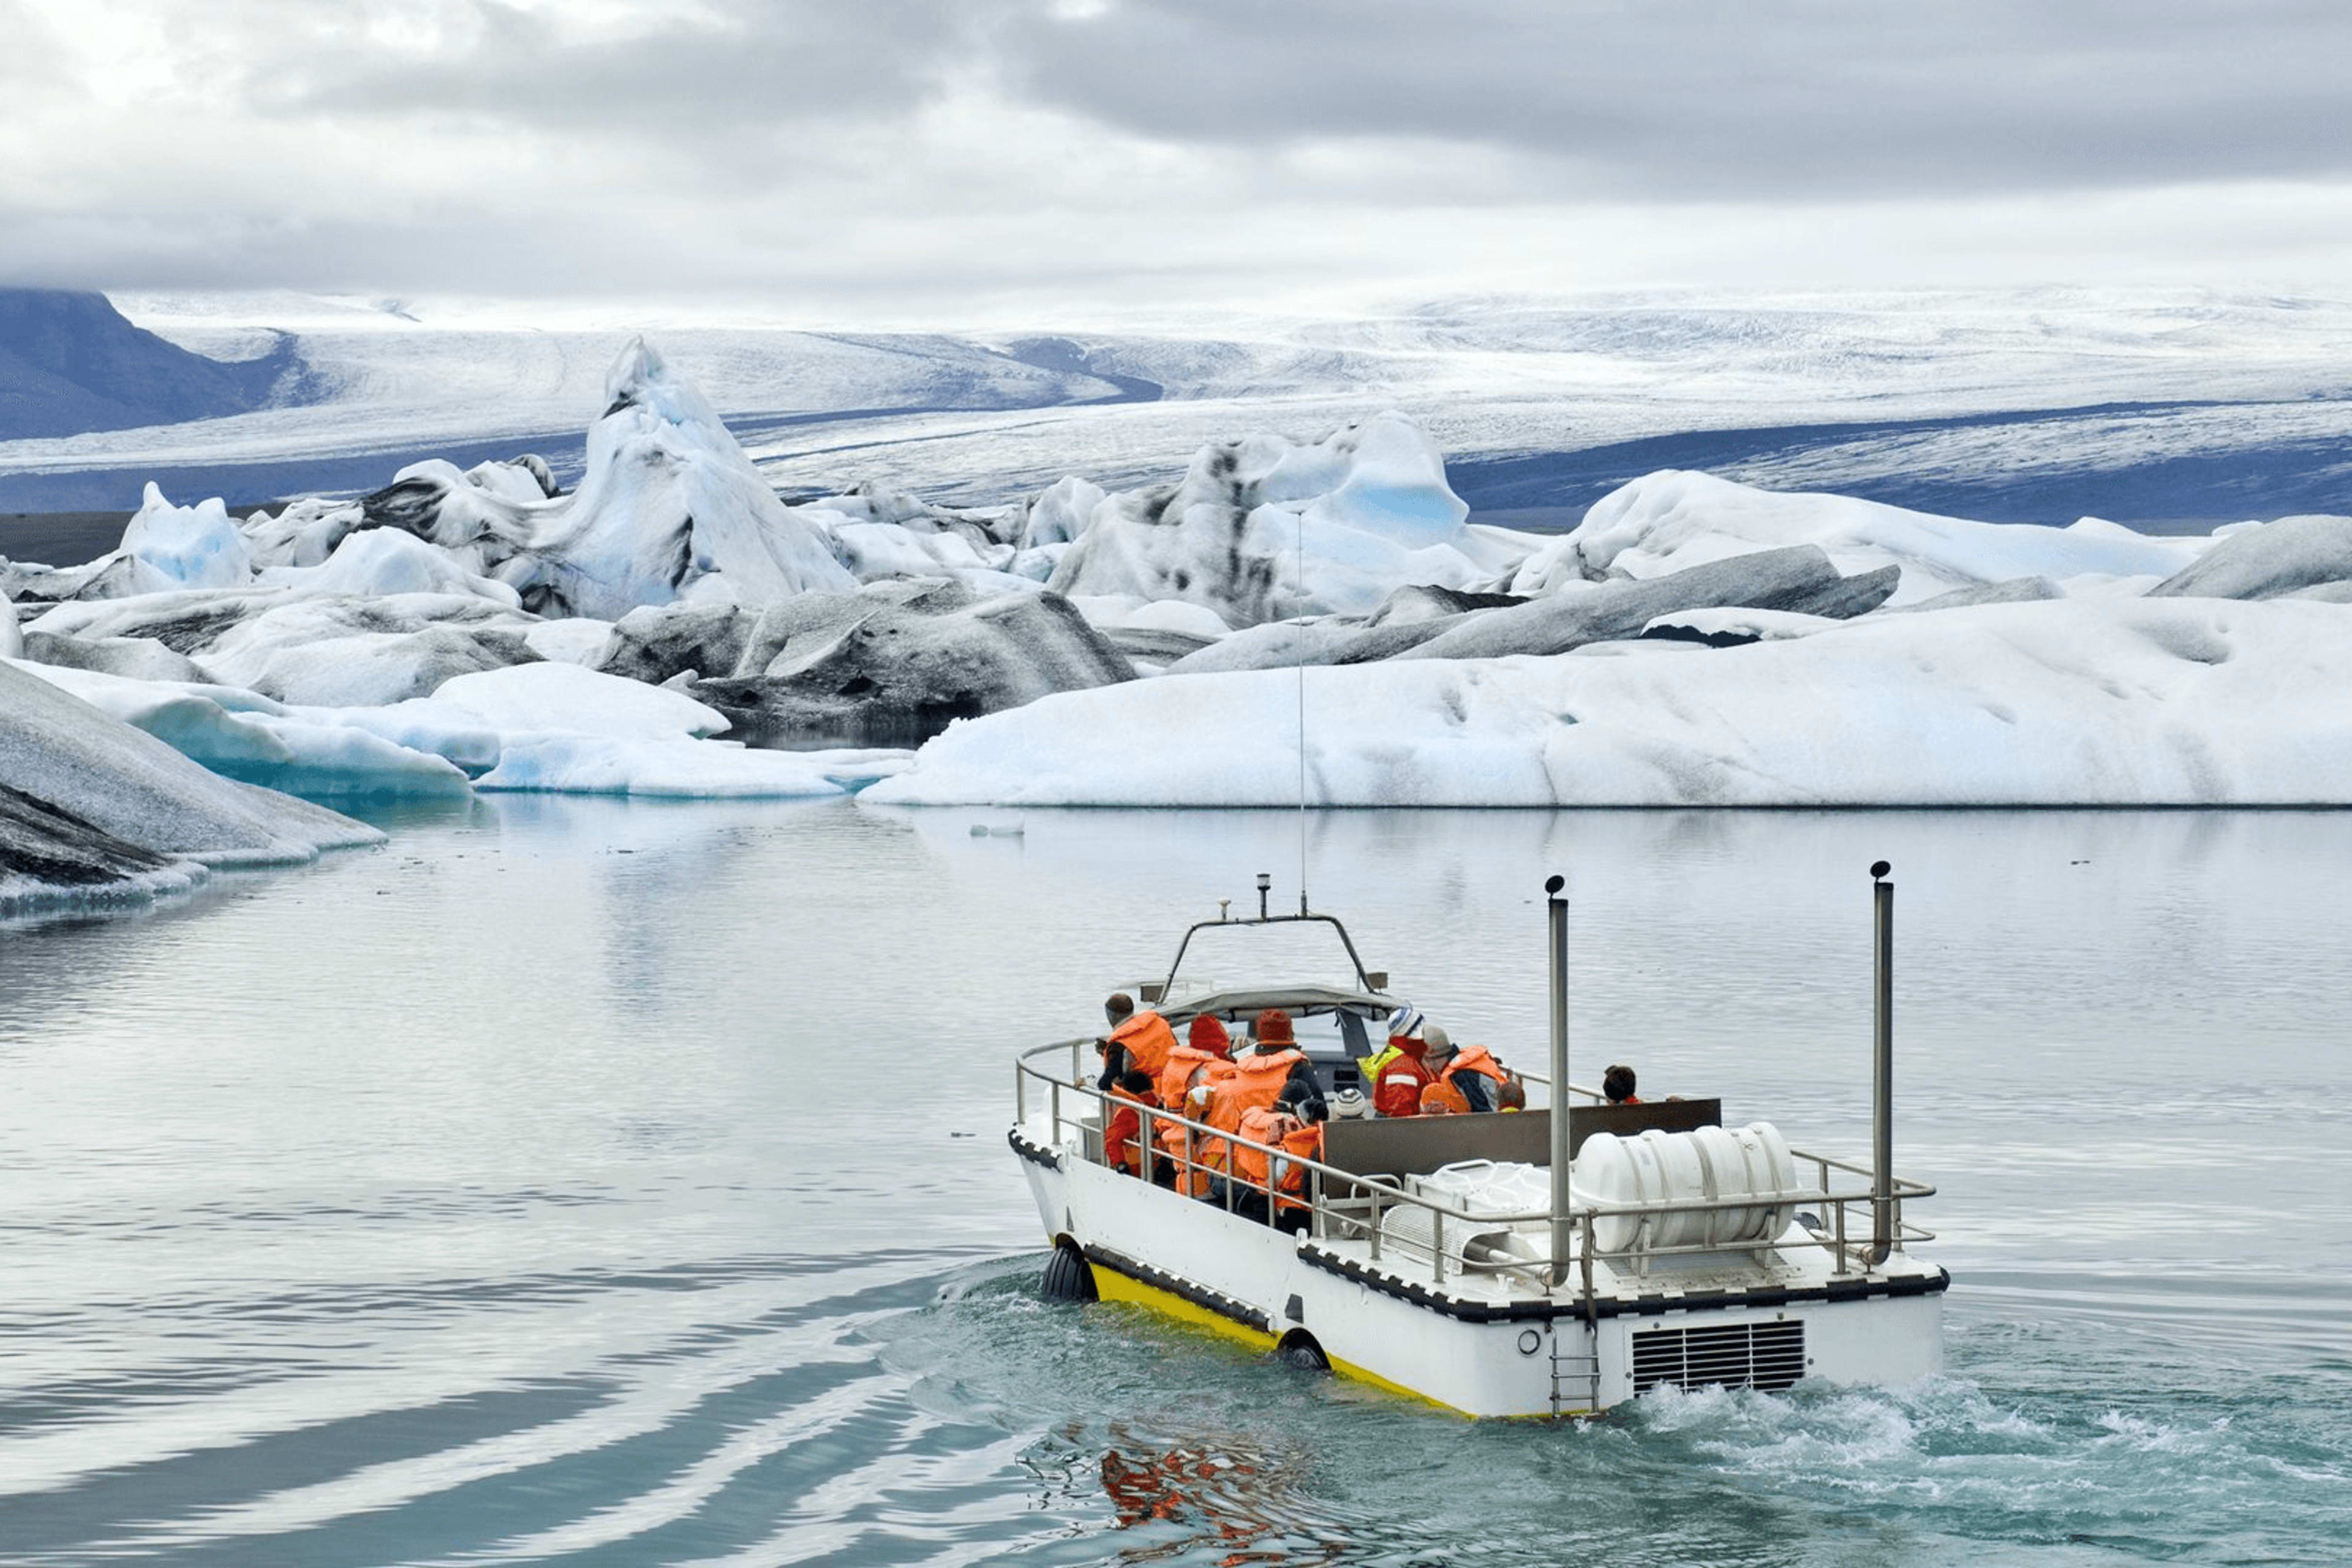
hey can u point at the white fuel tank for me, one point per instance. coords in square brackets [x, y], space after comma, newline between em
[1708, 1163]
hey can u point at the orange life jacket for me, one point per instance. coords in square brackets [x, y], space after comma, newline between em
[1441, 1093]
[1255, 1084]
[1306, 1142]
[1259, 1125]
[1178, 1071]
[1122, 1135]
[1478, 1060]
[1147, 1039]
[1189, 1150]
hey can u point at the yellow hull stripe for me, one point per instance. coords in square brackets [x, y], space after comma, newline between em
[1113, 1286]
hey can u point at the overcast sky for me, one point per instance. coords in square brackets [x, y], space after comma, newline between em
[967, 160]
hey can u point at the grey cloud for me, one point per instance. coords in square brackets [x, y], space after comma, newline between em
[1677, 100]
[747, 67]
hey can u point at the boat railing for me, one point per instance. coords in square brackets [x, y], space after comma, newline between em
[1351, 1205]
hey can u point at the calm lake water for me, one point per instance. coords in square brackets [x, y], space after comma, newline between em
[597, 1183]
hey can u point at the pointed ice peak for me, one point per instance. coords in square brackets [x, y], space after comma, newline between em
[636, 368]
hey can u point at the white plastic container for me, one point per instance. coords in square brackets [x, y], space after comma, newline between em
[1704, 1165]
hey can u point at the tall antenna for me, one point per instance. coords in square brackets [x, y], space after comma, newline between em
[1302, 711]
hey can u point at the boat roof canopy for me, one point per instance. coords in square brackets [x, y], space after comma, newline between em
[1254, 999]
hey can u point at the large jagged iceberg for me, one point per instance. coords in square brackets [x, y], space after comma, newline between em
[2139, 702]
[1260, 529]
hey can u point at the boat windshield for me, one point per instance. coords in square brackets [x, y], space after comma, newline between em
[1235, 955]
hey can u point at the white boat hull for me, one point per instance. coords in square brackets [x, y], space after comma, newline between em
[1478, 1351]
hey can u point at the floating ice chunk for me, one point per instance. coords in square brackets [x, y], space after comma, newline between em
[564, 698]
[355, 652]
[2264, 561]
[581, 640]
[2177, 701]
[1673, 518]
[58, 750]
[195, 546]
[304, 534]
[876, 550]
[1059, 513]
[243, 736]
[377, 561]
[1260, 530]
[608, 764]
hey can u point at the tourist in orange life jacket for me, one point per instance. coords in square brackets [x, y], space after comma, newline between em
[1185, 1157]
[1299, 1132]
[1257, 1080]
[1472, 1071]
[1442, 1099]
[1123, 1141]
[1136, 1040]
[1513, 1094]
[1617, 1083]
[1400, 1077]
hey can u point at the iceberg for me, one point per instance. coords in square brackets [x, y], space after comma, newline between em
[1260, 530]
[1670, 520]
[669, 498]
[240, 735]
[75, 762]
[2267, 560]
[2142, 703]
[197, 546]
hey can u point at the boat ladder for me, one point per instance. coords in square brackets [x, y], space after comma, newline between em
[1575, 1380]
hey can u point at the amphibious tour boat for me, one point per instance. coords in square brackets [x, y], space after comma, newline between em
[1501, 1264]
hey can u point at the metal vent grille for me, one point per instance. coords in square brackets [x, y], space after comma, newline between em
[1769, 1357]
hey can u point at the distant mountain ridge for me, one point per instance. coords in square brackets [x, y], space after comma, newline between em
[70, 362]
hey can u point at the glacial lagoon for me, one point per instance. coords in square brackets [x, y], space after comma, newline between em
[572, 1180]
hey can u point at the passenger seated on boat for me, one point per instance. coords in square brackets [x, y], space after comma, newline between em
[1442, 1099]
[1617, 1083]
[1299, 1126]
[1143, 1040]
[1472, 1071]
[1123, 1141]
[1257, 1080]
[1399, 1077]
[1184, 1156]
[1513, 1094]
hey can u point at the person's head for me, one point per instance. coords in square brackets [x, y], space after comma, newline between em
[1405, 1024]
[1300, 1102]
[1120, 1008]
[1350, 1103]
[1617, 1083]
[1512, 1095]
[1135, 1081]
[1207, 1034]
[1272, 1030]
[1440, 1044]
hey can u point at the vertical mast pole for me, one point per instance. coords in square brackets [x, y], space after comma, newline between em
[1882, 1108]
[1556, 907]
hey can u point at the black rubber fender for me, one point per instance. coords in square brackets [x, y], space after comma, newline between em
[1299, 1351]
[1069, 1278]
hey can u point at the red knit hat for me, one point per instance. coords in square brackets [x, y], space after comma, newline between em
[1207, 1034]
[1274, 1027]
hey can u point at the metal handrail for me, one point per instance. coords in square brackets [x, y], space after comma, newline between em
[1382, 1193]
